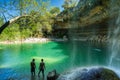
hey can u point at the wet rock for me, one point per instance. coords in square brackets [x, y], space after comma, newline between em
[90, 74]
[53, 75]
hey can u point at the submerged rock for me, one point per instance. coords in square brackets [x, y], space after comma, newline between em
[90, 74]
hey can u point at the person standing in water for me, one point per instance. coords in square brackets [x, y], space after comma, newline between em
[41, 68]
[33, 66]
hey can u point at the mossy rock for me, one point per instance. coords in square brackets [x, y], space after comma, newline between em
[90, 74]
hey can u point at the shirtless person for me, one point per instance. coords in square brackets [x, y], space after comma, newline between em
[41, 68]
[33, 66]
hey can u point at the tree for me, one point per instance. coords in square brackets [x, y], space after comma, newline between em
[55, 10]
[69, 3]
[34, 18]
[1, 21]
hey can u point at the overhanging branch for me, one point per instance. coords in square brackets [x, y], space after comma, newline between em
[9, 22]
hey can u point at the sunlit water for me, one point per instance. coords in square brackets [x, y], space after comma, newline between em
[62, 56]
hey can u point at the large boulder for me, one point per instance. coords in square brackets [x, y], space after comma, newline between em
[90, 74]
[53, 75]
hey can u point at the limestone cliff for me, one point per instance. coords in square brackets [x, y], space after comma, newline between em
[89, 17]
[89, 12]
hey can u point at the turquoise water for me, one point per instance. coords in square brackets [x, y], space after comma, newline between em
[62, 56]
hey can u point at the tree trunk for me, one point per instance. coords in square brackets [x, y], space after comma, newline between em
[4, 26]
[9, 22]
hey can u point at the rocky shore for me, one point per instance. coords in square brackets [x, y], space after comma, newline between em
[28, 40]
[33, 40]
[99, 73]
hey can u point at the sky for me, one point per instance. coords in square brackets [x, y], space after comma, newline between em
[57, 3]
[54, 3]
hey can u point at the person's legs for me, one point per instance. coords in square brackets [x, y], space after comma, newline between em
[34, 72]
[43, 73]
[31, 73]
[39, 72]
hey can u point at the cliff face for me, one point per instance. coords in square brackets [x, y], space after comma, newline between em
[89, 12]
[90, 17]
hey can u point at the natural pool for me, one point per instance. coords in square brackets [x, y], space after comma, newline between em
[62, 56]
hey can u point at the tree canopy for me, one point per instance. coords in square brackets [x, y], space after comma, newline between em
[69, 3]
[37, 23]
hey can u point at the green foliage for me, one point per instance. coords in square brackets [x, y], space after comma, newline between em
[69, 3]
[55, 10]
[38, 23]
[11, 33]
[1, 21]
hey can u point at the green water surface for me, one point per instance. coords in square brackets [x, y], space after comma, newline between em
[62, 56]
